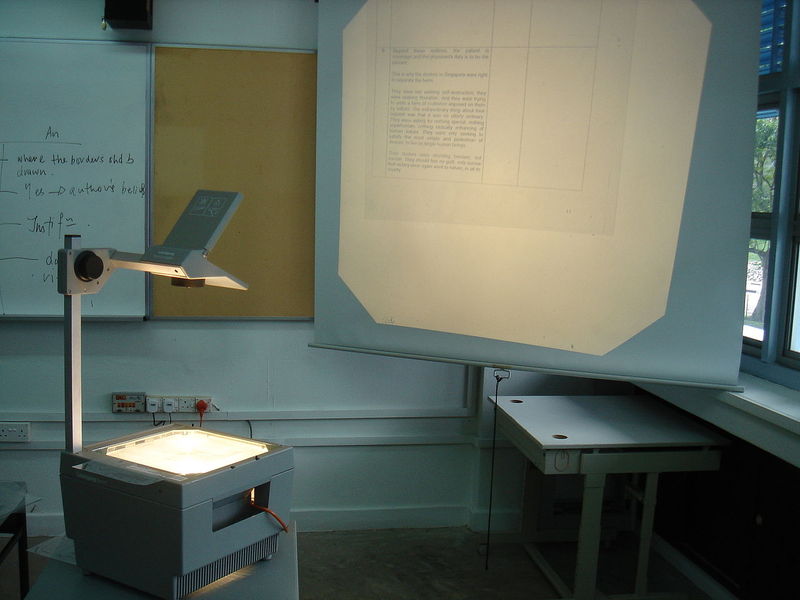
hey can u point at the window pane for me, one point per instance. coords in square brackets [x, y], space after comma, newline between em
[764, 159]
[773, 19]
[755, 297]
[794, 340]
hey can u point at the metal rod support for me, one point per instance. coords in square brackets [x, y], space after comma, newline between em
[73, 409]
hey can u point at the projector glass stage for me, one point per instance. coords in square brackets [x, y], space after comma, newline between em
[535, 146]
[186, 452]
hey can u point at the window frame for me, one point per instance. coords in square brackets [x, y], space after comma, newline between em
[772, 358]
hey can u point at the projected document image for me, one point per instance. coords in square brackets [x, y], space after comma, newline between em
[549, 141]
[436, 118]
[483, 101]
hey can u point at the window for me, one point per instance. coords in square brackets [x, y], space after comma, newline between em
[772, 289]
[773, 28]
[758, 258]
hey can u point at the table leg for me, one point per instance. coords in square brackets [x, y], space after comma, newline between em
[22, 549]
[16, 525]
[589, 536]
[646, 532]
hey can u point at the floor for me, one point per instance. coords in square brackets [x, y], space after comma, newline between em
[441, 564]
[402, 564]
[450, 564]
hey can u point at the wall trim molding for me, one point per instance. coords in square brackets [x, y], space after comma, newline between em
[45, 524]
[250, 415]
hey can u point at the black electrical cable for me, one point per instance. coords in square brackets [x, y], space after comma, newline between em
[491, 469]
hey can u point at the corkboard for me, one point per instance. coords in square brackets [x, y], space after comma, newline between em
[241, 121]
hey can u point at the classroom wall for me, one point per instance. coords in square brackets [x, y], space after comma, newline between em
[380, 442]
[288, 24]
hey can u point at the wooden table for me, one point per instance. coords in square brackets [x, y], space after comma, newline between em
[596, 436]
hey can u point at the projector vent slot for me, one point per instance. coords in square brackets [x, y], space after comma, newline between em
[226, 565]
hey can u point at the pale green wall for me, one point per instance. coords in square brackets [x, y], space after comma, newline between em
[380, 442]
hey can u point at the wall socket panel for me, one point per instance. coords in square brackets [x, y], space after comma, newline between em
[178, 404]
[139, 402]
[15, 432]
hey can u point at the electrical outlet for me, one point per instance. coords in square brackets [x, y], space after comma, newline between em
[185, 404]
[153, 404]
[15, 432]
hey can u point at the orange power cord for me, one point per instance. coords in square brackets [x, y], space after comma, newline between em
[269, 511]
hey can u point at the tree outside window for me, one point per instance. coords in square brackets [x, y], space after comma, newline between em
[764, 160]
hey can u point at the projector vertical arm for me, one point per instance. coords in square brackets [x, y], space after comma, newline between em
[73, 418]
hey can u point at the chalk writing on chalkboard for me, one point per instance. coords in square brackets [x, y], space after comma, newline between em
[56, 185]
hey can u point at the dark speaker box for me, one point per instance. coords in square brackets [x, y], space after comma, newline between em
[129, 14]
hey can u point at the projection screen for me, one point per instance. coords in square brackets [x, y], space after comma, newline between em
[557, 185]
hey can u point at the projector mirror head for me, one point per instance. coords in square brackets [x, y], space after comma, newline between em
[182, 257]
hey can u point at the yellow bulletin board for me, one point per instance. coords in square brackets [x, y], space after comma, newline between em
[243, 121]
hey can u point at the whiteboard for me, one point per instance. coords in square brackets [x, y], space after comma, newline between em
[73, 160]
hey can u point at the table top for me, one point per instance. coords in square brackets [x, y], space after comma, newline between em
[276, 578]
[591, 422]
